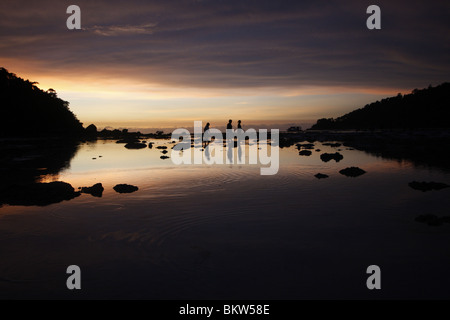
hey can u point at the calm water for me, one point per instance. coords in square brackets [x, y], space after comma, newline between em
[225, 231]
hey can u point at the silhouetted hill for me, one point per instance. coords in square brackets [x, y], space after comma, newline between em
[26, 110]
[426, 108]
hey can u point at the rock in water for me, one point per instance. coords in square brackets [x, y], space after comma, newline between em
[429, 219]
[164, 157]
[135, 145]
[325, 157]
[164, 151]
[445, 219]
[333, 145]
[427, 186]
[37, 194]
[96, 190]
[305, 146]
[125, 188]
[161, 147]
[321, 176]
[352, 172]
[305, 153]
[128, 140]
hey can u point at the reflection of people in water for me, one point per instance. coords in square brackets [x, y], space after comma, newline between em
[239, 125]
[229, 125]
[229, 136]
[206, 138]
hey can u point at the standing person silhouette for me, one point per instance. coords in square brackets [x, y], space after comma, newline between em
[239, 130]
[205, 139]
[229, 125]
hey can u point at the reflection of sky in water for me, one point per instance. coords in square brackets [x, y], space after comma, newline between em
[225, 231]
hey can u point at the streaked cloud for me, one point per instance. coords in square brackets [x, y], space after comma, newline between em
[118, 30]
[292, 58]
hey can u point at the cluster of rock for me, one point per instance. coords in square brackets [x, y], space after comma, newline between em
[305, 153]
[305, 146]
[37, 194]
[427, 186]
[349, 172]
[43, 194]
[321, 176]
[325, 157]
[133, 143]
[352, 172]
[432, 220]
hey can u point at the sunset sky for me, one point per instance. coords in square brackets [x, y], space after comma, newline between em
[147, 64]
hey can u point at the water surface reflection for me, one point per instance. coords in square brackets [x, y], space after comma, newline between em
[225, 231]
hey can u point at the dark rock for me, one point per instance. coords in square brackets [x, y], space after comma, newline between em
[135, 145]
[96, 190]
[305, 153]
[125, 188]
[333, 145]
[427, 186]
[305, 146]
[164, 157]
[445, 219]
[94, 158]
[150, 145]
[321, 176]
[352, 172]
[37, 194]
[164, 151]
[317, 150]
[432, 220]
[435, 223]
[325, 157]
[128, 140]
[425, 218]
[161, 147]
[429, 219]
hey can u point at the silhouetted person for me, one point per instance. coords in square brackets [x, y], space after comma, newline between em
[229, 136]
[205, 139]
[239, 125]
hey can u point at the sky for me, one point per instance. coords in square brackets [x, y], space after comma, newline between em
[164, 64]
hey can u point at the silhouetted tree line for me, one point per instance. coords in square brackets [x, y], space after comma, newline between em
[426, 108]
[26, 110]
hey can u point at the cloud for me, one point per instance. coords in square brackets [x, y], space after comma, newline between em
[122, 30]
[233, 44]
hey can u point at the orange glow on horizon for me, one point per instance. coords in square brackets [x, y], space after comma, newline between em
[110, 101]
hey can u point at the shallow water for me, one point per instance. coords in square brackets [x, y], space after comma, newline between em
[227, 232]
